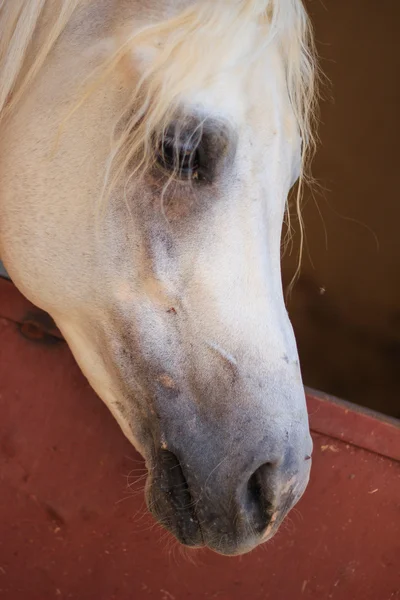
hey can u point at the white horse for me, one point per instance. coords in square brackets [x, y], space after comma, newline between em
[147, 149]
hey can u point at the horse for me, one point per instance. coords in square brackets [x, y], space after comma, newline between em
[147, 150]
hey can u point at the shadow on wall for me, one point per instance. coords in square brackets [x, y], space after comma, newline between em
[345, 308]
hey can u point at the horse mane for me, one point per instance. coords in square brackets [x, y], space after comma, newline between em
[187, 49]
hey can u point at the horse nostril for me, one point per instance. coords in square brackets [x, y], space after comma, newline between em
[172, 481]
[258, 506]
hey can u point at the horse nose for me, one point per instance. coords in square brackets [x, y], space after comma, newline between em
[254, 502]
[235, 505]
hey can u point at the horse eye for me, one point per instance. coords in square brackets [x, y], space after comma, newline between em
[182, 161]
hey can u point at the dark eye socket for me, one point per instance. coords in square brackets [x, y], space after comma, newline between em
[194, 150]
[182, 160]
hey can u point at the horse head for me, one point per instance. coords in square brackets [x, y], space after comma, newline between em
[146, 156]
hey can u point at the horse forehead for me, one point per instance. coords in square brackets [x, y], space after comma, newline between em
[237, 84]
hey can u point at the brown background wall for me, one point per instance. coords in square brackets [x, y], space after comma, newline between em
[348, 332]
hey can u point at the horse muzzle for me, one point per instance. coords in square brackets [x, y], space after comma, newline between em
[230, 509]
